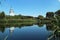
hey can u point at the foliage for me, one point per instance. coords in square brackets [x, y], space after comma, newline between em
[40, 17]
[50, 15]
[2, 15]
[57, 12]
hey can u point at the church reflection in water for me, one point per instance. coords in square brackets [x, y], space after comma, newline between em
[11, 30]
[2, 29]
[55, 32]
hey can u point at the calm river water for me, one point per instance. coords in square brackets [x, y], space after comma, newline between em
[33, 32]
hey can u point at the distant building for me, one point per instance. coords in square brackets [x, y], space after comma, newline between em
[11, 12]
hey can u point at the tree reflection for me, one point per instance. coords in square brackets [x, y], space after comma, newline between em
[2, 28]
[50, 27]
[40, 24]
[19, 25]
[55, 31]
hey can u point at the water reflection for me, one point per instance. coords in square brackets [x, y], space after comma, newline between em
[13, 32]
[40, 24]
[55, 32]
[50, 27]
[11, 27]
[41, 29]
[2, 28]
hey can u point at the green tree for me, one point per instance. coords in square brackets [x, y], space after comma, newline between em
[57, 15]
[2, 15]
[40, 17]
[57, 12]
[50, 15]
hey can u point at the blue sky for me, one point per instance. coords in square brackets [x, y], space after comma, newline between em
[30, 7]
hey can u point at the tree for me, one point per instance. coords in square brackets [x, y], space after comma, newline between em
[2, 15]
[57, 12]
[50, 15]
[40, 17]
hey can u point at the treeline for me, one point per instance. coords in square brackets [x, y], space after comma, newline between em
[50, 16]
[2, 15]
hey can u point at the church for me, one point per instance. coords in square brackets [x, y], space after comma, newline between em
[11, 12]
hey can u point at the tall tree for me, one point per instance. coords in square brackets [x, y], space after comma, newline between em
[2, 15]
[50, 15]
[57, 12]
[40, 17]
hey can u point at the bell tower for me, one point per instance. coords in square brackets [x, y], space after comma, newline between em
[11, 12]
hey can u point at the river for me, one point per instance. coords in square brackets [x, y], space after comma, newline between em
[33, 32]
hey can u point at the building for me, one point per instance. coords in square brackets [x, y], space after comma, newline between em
[11, 12]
